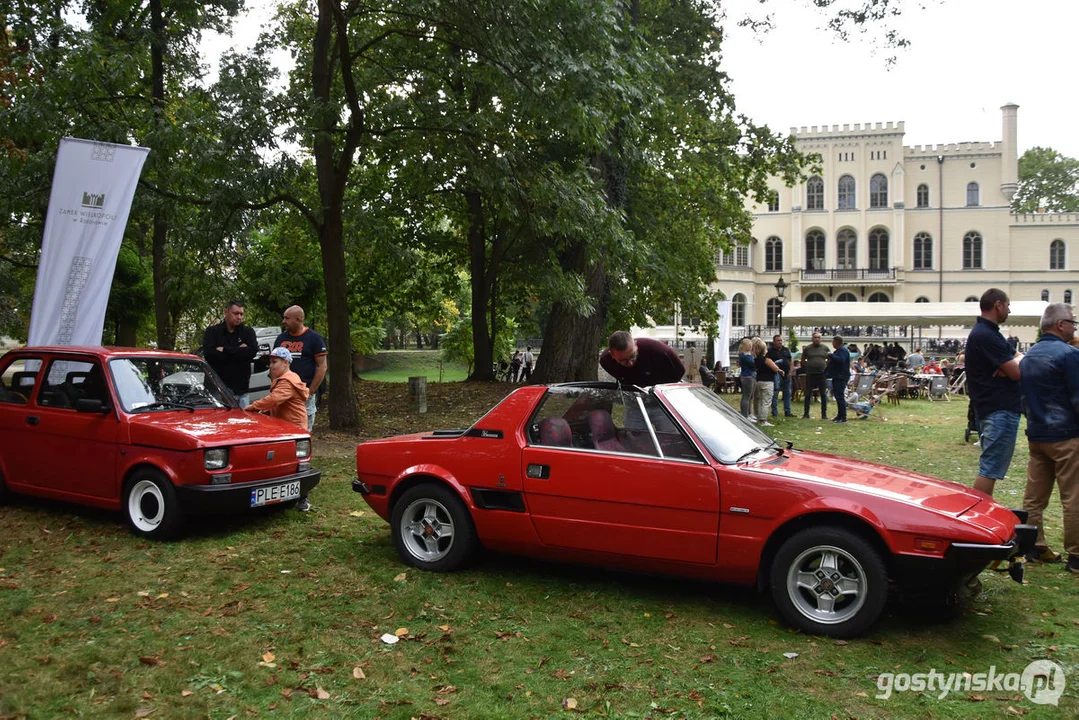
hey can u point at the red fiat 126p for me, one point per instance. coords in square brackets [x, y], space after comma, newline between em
[154, 434]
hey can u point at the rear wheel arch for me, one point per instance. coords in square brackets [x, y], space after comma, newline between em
[784, 532]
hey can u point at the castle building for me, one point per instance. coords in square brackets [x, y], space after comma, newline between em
[885, 222]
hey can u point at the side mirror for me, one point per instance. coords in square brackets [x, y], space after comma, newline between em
[91, 405]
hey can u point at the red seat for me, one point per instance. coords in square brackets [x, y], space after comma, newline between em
[555, 431]
[604, 434]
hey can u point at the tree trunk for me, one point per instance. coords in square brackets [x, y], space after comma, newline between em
[166, 335]
[571, 342]
[332, 173]
[477, 252]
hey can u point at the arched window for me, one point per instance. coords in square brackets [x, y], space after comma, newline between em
[1045, 296]
[814, 250]
[878, 249]
[878, 191]
[775, 306]
[1067, 297]
[738, 310]
[923, 251]
[815, 193]
[846, 244]
[879, 297]
[1056, 255]
[923, 196]
[773, 202]
[971, 299]
[773, 255]
[922, 299]
[972, 251]
[814, 297]
[846, 193]
[846, 297]
[972, 193]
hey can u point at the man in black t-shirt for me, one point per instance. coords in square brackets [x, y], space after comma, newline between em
[229, 347]
[308, 350]
[781, 356]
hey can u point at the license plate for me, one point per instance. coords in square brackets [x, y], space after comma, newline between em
[275, 494]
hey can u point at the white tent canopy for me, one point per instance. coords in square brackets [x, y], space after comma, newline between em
[1023, 312]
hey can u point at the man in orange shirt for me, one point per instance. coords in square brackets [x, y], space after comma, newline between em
[287, 399]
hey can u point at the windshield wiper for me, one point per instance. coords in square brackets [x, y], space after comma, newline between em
[168, 403]
[748, 453]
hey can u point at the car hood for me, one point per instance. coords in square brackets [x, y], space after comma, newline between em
[182, 430]
[943, 496]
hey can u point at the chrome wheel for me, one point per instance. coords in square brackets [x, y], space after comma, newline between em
[426, 530]
[826, 584]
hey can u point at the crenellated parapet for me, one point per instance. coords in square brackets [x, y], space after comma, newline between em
[817, 132]
[952, 149]
[1048, 218]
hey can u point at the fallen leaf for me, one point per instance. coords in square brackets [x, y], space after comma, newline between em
[401, 632]
[322, 694]
[263, 663]
[401, 578]
[268, 656]
[992, 638]
[358, 673]
[162, 596]
[728, 626]
[976, 698]
[150, 660]
[144, 712]
[113, 599]
[143, 593]
[186, 693]
[841, 642]
[441, 701]
[444, 628]
[356, 513]
[569, 703]
[861, 694]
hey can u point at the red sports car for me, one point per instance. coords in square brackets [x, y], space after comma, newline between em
[672, 480]
[153, 434]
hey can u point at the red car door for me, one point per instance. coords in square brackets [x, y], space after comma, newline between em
[75, 452]
[607, 489]
[19, 377]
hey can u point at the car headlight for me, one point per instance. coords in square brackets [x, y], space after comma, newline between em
[303, 449]
[216, 458]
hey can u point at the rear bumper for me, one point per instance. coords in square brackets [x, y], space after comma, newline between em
[233, 498]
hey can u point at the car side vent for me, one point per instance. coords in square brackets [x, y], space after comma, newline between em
[498, 500]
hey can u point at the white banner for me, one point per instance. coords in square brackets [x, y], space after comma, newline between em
[722, 345]
[92, 188]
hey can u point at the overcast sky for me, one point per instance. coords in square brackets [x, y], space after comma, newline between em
[967, 58]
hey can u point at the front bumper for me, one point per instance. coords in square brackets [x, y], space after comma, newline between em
[961, 562]
[233, 498]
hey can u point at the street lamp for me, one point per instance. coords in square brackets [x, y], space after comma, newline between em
[781, 291]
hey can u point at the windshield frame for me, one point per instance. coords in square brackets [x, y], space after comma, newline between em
[725, 434]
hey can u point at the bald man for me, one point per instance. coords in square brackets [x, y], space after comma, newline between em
[308, 350]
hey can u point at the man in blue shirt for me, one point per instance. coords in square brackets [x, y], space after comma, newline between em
[1050, 392]
[993, 385]
[839, 373]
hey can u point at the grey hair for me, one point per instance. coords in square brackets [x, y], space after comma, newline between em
[1054, 314]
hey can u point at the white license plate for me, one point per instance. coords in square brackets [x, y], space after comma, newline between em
[275, 494]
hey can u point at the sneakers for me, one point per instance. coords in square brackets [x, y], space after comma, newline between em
[839, 420]
[753, 418]
[303, 505]
[1073, 564]
[1044, 555]
[765, 423]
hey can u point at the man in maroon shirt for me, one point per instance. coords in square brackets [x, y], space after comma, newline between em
[641, 362]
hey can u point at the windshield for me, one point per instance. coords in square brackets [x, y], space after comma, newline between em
[728, 436]
[153, 384]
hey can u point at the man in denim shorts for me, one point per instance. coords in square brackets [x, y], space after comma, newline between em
[993, 385]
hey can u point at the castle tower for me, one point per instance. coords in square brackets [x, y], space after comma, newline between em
[1009, 173]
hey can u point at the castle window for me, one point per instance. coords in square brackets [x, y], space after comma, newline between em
[1045, 296]
[814, 250]
[1056, 255]
[773, 255]
[846, 244]
[878, 191]
[846, 193]
[923, 251]
[815, 194]
[738, 310]
[878, 249]
[923, 196]
[814, 297]
[972, 194]
[972, 251]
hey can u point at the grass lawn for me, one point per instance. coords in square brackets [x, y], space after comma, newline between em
[281, 615]
[399, 365]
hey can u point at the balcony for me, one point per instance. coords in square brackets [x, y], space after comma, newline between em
[844, 276]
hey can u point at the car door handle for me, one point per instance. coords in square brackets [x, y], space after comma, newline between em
[33, 420]
[538, 472]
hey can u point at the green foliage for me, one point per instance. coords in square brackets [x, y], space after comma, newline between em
[457, 345]
[1048, 182]
[367, 339]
